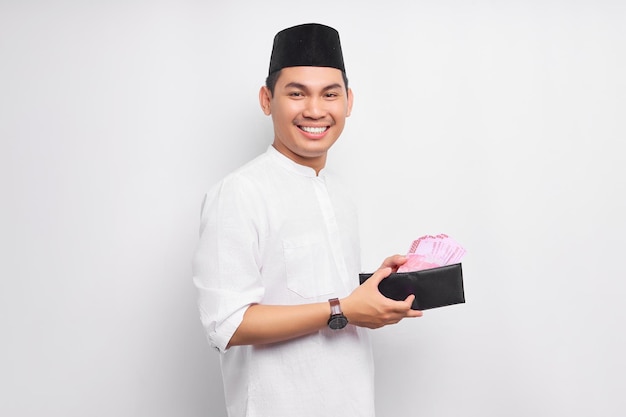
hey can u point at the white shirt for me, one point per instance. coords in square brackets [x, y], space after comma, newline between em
[273, 232]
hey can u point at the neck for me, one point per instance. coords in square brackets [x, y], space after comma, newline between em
[317, 162]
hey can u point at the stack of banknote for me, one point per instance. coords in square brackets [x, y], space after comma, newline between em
[431, 252]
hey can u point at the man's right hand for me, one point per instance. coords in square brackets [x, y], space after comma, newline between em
[367, 307]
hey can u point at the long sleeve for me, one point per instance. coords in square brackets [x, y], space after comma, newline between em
[227, 263]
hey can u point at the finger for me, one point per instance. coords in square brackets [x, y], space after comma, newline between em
[410, 299]
[393, 261]
[401, 306]
[411, 312]
[414, 313]
[379, 275]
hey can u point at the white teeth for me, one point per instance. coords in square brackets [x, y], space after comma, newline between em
[315, 130]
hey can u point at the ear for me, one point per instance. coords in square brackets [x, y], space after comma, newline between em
[265, 99]
[350, 100]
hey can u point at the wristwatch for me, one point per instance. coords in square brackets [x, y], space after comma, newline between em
[337, 320]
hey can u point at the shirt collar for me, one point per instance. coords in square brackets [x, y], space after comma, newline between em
[293, 166]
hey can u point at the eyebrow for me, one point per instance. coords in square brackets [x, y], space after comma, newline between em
[305, 88]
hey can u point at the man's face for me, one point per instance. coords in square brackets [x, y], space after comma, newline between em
[309, 109]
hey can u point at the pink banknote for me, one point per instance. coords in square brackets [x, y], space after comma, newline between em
[432, 251]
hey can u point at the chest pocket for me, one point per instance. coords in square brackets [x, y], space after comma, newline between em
[308, 267]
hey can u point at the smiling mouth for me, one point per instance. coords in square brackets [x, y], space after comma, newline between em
[314, 130]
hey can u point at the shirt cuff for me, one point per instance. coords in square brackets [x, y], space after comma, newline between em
[225, 331]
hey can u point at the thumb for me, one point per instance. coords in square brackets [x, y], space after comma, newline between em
[379, 275]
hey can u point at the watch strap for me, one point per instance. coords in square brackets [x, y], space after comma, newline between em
[335, 307]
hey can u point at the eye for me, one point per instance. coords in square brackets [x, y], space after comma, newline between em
[295, 94]
[331, 94]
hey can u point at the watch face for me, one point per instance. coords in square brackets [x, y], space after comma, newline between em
[338, 322]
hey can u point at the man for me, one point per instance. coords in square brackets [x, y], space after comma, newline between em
[278, 260]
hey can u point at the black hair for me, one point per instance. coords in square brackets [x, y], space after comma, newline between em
[270, 81]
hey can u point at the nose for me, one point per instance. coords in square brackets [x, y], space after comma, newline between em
[314, 108]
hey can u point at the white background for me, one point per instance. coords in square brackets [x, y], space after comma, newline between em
[498, 123]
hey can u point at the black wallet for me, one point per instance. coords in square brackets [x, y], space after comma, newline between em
[435, 287]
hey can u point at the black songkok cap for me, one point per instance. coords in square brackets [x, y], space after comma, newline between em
[308, 45]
